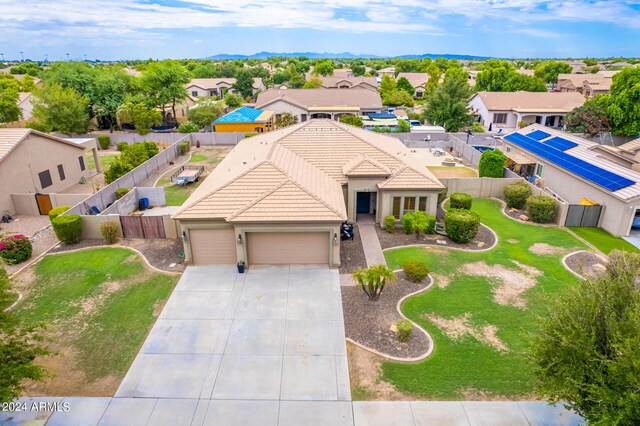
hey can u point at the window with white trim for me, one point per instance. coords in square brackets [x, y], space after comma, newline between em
[408, 204]
[500, 118]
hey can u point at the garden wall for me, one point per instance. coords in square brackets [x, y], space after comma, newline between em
[230, 138]
[129, 203]
[91, 225]
[25, 204]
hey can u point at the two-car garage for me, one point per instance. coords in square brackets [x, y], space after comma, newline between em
[221, 246]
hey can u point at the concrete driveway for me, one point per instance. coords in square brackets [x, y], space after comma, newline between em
[246, 342]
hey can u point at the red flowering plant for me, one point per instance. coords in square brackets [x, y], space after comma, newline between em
[15, 249]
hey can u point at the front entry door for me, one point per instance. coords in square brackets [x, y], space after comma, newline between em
[363, 202]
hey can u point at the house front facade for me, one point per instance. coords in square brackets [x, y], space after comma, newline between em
[505, 110]
[208, 87]
[281, 197]
[307, 104]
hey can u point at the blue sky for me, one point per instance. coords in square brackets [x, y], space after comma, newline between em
[117, 29]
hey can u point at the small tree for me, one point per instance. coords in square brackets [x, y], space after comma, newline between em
[587, 346]
[61, 109]
[352, 120]
[419, 223]
[373, 279]
[590, 118]
[244, 83]
[188, 127]
[516, 194]
[205, 114]
[286, 119]
[404, 84]
[313, 83]
[232, 100]
[324, 67]
[492, 164]
[141, 116]
[397, 98]
[403, 126]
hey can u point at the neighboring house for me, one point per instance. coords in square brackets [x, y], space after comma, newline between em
[208, 87]
[390, 71]
[578, 171]
[24, 102]
[245, 119]
[587, 84]
[504, 110]
[418, 80]
[33, 162]
[182, 110]
[337, 73]
[597, 87]
[280, 198]
[320, 103]
[349, 83]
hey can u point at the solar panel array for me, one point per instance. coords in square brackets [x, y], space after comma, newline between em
[538, 134]
[595, 174]
[560, 143]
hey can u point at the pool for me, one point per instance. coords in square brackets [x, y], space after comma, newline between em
[483, 148]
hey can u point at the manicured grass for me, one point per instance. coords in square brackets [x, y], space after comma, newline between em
[463, 367]
[176, 195]
[98, 302]
[196, 158]
[604, 241]
[105, 160]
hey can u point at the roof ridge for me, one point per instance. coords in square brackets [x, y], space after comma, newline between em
[261, 197]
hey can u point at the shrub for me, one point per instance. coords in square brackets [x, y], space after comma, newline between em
[443, 194]
[374, 279]
[188, 127]
[415, 271]
[68, 228]
[516, 194]
[122, 146]
[431, 225]
[15, 249]
[477, 127]
[151, 148]
[460, 200]
[461, 225]
[492, 164]
[53, 213]
[403, 330]
[121, 192]
[390, 224]
[137, 153]
[109, 231]
[116, 169]
[104, 141]
[184, 147]
[541, 208]
[407, 223]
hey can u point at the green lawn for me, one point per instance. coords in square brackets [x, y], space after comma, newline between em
[196, 158]
[98, 302]
[604, 241]
[176, 195]
[462, 367]
[105, 160]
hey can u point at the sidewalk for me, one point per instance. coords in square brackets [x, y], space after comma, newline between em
[370, 243]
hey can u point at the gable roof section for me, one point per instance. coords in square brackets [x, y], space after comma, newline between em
[363, 165]
[307, 98]
[334, 82]
[416, 79]
[531, 101]
[407, 178]
[631, 146]
[11, 138]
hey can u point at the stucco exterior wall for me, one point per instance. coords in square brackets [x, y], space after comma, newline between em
[280, 107]
[385, 200]
[356, 185]
[19, 169]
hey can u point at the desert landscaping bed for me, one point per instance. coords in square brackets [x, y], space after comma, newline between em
[352, 254]
[482, 241]
[586, 263]
[369, 322]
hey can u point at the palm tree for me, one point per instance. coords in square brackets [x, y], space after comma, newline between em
[373, 279]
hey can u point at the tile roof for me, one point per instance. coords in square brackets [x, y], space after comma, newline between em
[631, 147]
[531, 101]
[296, 174]
[416, 79]
[11, 138]
[213, 83]
[334, 82]
[307, 98]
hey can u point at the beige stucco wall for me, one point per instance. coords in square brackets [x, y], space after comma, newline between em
[356, 185]
[19, 169]
[385, 200]
[91, 225]
[280, 107]
[26, 203]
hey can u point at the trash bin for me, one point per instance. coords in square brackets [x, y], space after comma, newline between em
[143, 204]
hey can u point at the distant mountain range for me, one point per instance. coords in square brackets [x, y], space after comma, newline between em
[343, 55]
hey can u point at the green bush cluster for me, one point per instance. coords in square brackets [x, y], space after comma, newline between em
[68, 228]
[390, 224]
[53, 213]
[461, 225]
[109, 231]
[104, 141]
[541, 208]
[121, 192]
[188, 127]
[407, 223]
[122, 146]
[492, 164]
[184, 147]
[415, 271]
[403, 330]
[132, 156]
[460, 200]
[15, 249]
[516, 194]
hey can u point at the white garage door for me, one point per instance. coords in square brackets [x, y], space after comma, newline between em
[212, 246]
[269, 248]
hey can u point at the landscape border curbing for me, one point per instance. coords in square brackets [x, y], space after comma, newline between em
[177, 166]
[491, 247]
[526, 222]
[425, 332]
[564, 261]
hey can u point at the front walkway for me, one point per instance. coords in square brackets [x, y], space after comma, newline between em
[370, 243]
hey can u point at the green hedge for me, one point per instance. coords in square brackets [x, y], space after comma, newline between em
[121, 192]
[390, 224]
[104, 141]
[68, 228]
[53, 213]
[492, 164]
[461, 225]
[407, 223]
[460, 200]
[122, 146]
[516, 194]
[415, 271]
[541, 208]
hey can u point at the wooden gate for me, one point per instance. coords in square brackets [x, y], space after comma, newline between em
[142, 226]
[44, 203]
[579, 215]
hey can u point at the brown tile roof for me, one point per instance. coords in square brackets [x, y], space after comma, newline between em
[631, 147]
[295, 174]
[306, 98]
[11, 138]
[531, 101]
[334, 82]
[406, 178]
[213, 83]
[416, 79]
